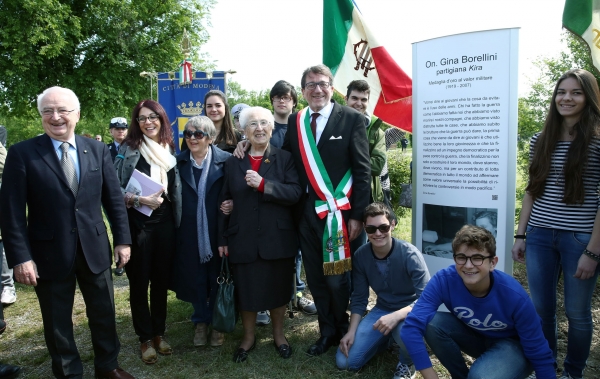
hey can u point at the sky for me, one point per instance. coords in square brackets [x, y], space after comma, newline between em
[268, 40]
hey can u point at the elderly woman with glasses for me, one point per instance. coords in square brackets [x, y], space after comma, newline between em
[259, 236]
[197, 262]
[148, 148]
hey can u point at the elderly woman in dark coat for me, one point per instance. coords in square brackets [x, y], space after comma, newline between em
[197, 262]
[259, 236]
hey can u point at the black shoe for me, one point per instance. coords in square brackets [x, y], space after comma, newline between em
[284, 350]
[240, 354]
[9, 371]
[2, 327]
[119, 271]
[322, 345]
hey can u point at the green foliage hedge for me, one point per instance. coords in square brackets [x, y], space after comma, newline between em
[399, 169]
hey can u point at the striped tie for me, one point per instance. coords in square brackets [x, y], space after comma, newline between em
[68, 167]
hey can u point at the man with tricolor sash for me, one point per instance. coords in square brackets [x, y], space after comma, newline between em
[329, 144]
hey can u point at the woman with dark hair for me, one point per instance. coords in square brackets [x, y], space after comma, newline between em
[559, 215]
[149, 149]
[216, 108]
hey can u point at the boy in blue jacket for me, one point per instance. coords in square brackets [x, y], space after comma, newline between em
[491, 318]
[397, 273]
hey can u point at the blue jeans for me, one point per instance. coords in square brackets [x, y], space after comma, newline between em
[496, 358]
[550, 252]
[368, 342]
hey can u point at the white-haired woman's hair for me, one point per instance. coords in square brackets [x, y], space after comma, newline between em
[263, 113]
[58, 89]
[202, 123]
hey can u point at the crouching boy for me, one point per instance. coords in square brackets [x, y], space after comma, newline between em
[491, 318]
[397, 273]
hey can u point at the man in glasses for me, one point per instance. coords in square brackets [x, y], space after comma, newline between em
[118, 130]
[491, 318]
[397, 273]
[331, 152]
[54, 187]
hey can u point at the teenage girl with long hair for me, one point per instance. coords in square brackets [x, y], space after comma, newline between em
[559, 216]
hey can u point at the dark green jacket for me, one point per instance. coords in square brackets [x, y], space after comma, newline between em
[378, 156]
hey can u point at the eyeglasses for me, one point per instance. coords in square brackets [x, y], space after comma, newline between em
[151, 118]
[383, 228]
[262, 123]
[313, 85]
[198, 134]
[61, 112]
[476, 260]
[285, 99]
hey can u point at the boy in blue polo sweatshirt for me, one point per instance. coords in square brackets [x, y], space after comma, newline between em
[491, 318]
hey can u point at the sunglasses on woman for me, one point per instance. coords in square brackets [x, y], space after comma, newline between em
[383, 228]
[198, 134]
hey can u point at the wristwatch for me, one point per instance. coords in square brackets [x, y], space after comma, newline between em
[136, 201]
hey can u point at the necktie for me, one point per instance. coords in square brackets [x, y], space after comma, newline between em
[313, 124]
[68, 167]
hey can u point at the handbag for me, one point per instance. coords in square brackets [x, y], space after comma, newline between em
[224, 319]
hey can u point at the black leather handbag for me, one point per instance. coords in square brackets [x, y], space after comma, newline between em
[224, 315]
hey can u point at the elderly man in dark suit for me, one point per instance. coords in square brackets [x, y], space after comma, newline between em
[329, 145]
[55, 186]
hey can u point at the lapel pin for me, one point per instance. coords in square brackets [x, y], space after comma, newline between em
[85, 151]
[267, 160]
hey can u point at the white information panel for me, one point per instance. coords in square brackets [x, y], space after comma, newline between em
[464, 141]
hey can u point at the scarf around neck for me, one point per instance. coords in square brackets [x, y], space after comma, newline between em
[204, 247]
[159, 158]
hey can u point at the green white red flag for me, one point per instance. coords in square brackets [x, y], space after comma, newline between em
[582, 18]
[351, 52]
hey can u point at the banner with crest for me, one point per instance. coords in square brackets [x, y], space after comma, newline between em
[182, 101]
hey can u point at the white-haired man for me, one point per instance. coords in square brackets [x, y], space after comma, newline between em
[55, 186]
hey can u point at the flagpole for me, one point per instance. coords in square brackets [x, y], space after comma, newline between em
[151, 75]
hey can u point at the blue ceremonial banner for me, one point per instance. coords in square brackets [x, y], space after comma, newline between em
[182, 101]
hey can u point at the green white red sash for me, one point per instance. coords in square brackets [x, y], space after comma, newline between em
[336, 246]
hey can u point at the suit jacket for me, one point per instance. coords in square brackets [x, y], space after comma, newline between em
[186, 281]
[260, 223]
[113, 150]
[351, 151]
[42, 220]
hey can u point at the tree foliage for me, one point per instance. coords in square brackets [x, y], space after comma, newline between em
[97, 48]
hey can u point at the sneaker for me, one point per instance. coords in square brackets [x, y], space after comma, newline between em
[9, 295]
[263, 318]
[305, 305]
[404, 371]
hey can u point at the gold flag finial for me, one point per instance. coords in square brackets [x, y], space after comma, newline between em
[186, 46]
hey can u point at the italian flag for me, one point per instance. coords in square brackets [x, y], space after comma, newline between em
[582, 18]
[185, 72]
[351, 52]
